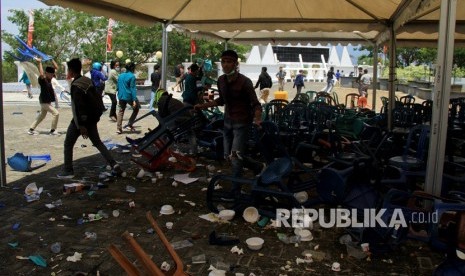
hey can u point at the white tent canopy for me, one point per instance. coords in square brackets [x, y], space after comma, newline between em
[284, 21]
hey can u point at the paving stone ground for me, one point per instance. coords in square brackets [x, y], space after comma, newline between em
[39, 226]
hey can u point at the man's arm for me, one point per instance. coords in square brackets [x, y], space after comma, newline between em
[41, 69]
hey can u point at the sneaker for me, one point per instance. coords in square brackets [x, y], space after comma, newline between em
[54, 133]
[113, 118]
[32, 132]
[130, 128]
[66, 174]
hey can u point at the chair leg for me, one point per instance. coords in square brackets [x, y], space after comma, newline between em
[142, 256]
[179, 271]
[130, 269]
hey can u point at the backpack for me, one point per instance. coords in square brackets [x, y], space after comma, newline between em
[158, 94]
[267, 82]
[93, 98]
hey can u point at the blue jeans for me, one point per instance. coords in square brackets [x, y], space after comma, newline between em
[235, 137]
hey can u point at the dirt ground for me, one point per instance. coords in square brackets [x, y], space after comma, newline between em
[30, 228]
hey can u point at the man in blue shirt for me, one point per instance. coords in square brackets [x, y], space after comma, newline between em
[127, 95]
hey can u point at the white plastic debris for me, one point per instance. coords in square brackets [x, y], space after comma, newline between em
[75, 258]
[237, 250]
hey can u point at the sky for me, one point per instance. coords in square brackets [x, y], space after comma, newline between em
[7, 5]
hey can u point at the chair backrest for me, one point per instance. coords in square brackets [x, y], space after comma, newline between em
[325, 98]
[417, 140]
[311, 94]
[406, 100]
[293, 115]
[351, 101]
[273, 110]
[302, 97]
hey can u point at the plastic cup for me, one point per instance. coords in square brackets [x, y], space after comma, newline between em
[365, 247]
[115, 213]
[169, 225]
[55, 247]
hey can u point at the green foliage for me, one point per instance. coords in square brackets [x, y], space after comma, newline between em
[9, 72]
[65, 33]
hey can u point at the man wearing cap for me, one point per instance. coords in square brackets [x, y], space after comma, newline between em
[242, 108]
[46, 97]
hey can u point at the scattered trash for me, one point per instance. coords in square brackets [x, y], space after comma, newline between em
[115, 213]
[165, 266]
[190, 203]
[141, 173]
[75, 258]
[32, 193]
[16, 226]
[91, 236]
[199, 259]
[336, 266]
[181, 244]
[150, 231]
[38, 260]
[54, 204]
[169, 225]
[13, 244]
[184, 178]
[237, 250]
[222, 239]
[72, 188]
[132, 204]
[16, 113]
[55, 247]
[166, 210]
[174, 184]
[102, 214]
[130, 189]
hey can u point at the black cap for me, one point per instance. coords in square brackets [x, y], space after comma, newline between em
[230, 54]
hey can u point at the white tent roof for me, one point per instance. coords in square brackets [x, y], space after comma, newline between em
[286, 21]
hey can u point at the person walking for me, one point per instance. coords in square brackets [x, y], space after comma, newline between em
[110, 87]
[242, 108]
[265, 83]
[193, 86]
[155, 77]
[46, 97]
[365, 81]
[87, 106]
[329, 80]
[360, 74]
[299, 81]
[24, 78]
[338, 78]
[98, 77]
[127, 95]
[281, 75]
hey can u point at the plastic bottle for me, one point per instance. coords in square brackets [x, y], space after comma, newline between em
[91, 235]
[55, 247]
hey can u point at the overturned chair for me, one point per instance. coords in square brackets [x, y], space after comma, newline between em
[149, 266]
[155, 146]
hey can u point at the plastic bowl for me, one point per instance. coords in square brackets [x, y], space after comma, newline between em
[255, 243]
[251, 214]
[166, 210]
[227, 214]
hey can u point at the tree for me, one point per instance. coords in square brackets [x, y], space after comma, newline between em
[65, 33]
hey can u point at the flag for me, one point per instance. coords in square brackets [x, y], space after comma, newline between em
[111, 22]
[30, 28]
[193, 47]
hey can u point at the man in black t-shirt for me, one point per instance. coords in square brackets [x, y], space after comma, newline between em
[46, 97]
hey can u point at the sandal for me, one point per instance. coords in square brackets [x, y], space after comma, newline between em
[119, 131]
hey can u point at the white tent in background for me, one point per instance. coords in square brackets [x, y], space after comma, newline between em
[254, 56]
[333, 59]
[346, 61]
[268, 55]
